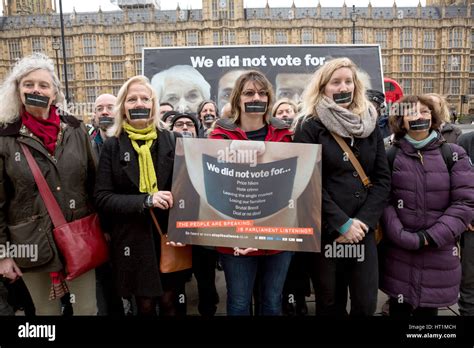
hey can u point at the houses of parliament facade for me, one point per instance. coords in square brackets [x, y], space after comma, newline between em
[425, 48]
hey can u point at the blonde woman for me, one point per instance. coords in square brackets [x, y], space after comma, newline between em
[449, 131]
[135, 173]
[334, 102]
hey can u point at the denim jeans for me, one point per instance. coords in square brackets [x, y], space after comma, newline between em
[240, 274]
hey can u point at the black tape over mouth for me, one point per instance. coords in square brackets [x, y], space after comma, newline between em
[106, 121]
[420, 124]
[139, 114]
[342, 98]
[255, 107]
[187, 134]
[36, 100]
[208, 118]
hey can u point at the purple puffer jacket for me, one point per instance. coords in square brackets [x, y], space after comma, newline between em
[425, 198]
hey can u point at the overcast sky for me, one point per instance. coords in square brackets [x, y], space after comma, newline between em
[93, 5]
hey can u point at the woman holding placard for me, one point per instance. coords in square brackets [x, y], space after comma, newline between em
[251, 120]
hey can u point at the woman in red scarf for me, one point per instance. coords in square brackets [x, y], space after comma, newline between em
[59, 144]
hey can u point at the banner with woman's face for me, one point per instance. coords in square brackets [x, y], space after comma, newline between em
[185, 76]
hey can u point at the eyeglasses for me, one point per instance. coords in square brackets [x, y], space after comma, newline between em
[180, 124]
[134, 100]
[249, 93]
[101, 108]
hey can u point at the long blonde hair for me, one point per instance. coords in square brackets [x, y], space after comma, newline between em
[116, 129]
[314, 92]
[441, 104]
[9, 90]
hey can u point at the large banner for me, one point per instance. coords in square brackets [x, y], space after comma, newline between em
[185, 76]
[264, 195]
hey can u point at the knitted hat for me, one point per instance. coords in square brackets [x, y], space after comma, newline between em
[168, 114]
[191, 116]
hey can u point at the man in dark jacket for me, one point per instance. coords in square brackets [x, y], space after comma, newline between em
[104, 119]
[377, 99]
[450, 132]
[466, 299]
[108, 302]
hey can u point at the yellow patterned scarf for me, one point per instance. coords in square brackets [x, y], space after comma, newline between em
[148, 183]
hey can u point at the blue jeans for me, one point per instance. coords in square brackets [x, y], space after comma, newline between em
[240, 274]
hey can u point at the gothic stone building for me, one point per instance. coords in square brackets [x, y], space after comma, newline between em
[426, 49]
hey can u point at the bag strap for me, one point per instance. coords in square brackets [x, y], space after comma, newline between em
[391, 154]
[54, 211]
[173, 139]
[447, 153]
[355, 162]
[155, 220]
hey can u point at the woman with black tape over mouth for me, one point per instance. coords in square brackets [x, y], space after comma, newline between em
[431, 205]
[31, 119]
[335, 109]
[207, 114]
[134, 180]
[251, 120]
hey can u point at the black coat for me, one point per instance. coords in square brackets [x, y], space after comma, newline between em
[451, 132]
[344, 195]
[135, 241]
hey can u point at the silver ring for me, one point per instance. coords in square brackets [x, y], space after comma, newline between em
[162, 202]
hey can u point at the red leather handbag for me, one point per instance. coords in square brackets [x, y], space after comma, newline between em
[81, 242]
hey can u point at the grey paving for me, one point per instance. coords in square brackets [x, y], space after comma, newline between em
[192, 298]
